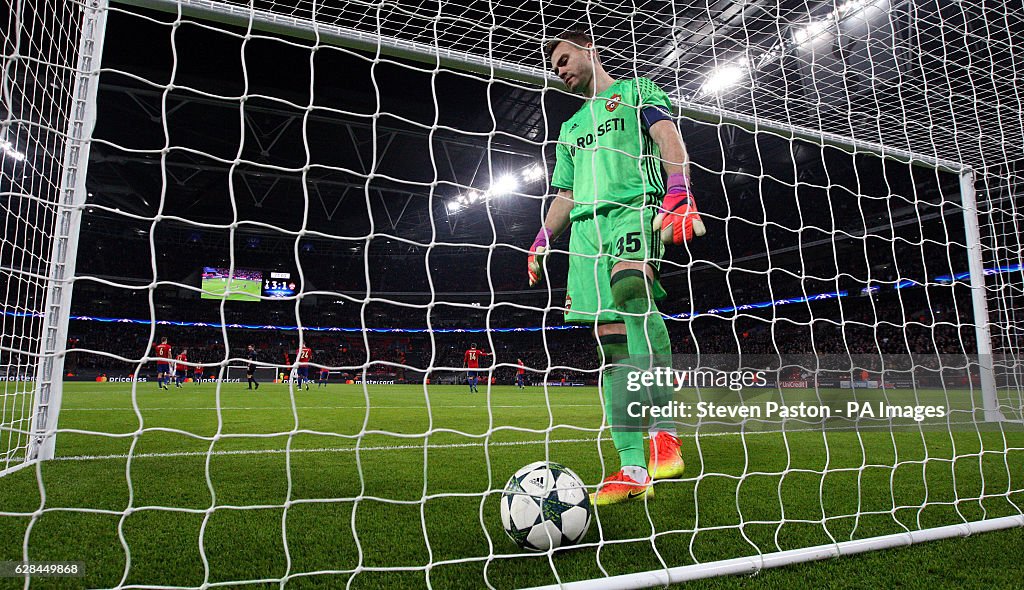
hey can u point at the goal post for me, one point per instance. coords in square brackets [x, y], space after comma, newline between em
[74, 128]
[979, 299]
[63, 256]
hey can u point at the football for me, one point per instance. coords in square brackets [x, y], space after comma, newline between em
[545, 506]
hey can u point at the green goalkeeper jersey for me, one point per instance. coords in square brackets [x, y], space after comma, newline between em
[605, 155]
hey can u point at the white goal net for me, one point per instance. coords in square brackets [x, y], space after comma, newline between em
[349, 190]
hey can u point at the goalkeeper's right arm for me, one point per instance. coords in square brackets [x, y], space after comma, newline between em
[555, 223]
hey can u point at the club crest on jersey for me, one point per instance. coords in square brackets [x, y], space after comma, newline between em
[568, 302]
[613, 102]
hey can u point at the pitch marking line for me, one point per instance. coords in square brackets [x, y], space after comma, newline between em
[322, 450]
[429, 447]
[288, 408]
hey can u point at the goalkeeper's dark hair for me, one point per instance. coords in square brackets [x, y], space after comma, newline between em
[577, 35]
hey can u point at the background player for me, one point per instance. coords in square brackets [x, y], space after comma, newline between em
[325, 374]
[163, 363]
[250, 368]
[180, 368]
[197, 374]
[287, 370]
[471, 360]
[305, 356]
[521, 374]
[619, 204]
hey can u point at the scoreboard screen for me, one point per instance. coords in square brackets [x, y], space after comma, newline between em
[238, 285]
[280, 284]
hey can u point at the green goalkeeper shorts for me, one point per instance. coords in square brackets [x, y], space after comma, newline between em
[596, 245]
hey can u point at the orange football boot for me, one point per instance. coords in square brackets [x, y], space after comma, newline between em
[619, 487]
[666, 458]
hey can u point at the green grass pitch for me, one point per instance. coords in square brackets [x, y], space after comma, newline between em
[327, 487]
[241, 289]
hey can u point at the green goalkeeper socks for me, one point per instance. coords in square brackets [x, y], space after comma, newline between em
[646, 332]
[627, 432]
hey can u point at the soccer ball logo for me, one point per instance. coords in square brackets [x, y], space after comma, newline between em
[545, 506]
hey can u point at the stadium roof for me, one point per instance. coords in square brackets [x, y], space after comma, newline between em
[211, 127]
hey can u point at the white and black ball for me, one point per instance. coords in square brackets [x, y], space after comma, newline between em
[545, 506]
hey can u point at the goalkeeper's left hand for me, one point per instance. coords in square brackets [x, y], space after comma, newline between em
[678, 219]
[535, 262]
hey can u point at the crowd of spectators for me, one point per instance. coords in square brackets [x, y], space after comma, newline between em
[851, 326]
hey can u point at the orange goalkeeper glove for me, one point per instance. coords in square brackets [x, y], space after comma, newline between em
[678, 219]
[535, 262]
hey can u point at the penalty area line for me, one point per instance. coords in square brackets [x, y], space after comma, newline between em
[378, 448]
[607, 439]
[288, 408]
[321, 450]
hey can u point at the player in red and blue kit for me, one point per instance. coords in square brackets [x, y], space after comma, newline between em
[471, 360]
[305, 355]
[325, 374]
[521, 374]
[163, 367]
[180, 368]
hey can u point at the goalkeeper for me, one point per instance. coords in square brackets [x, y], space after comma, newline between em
[612, 193]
